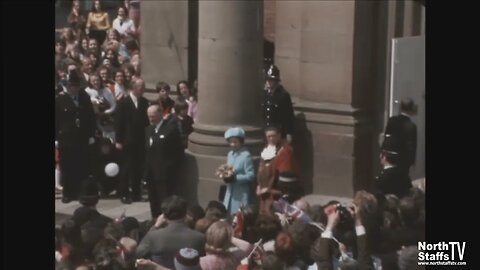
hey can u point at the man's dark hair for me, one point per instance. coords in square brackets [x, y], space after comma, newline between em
[267, 227]
[407, 105]
[216, 209]
[195, 212]
[174, 207]
[180, 104]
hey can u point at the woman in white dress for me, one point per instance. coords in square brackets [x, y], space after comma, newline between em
[104, 105]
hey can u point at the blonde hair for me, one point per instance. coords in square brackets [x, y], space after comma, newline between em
[219, 238]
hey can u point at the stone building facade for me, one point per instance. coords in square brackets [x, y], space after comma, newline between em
[334, 58]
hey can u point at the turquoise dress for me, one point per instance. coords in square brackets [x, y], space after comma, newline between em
[238, 193]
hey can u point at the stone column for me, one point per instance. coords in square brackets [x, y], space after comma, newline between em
[230, 81]
[327, 54]
[164, 42]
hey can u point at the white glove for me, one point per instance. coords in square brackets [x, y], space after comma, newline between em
[91, 140]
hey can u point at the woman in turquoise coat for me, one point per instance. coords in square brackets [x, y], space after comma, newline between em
[239, 190]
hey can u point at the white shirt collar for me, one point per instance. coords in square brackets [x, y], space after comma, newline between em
[405, 114]
[388, 166]
[157, 126]
[134, 99]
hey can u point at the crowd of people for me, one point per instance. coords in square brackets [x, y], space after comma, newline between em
[261, 219]
[372, 232]
[101, 114]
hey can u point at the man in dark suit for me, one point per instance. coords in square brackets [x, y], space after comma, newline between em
[130, 122]
[161, 245]
[404, 131]
[277, 105]
[163, 157]
[74, 135]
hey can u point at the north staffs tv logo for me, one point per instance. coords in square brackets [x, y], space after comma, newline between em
[442, 251]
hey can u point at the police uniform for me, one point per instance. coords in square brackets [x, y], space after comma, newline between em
[277, 106]
[404, 132]
[393, 179]
[74, 131]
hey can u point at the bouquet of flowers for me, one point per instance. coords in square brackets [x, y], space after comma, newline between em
[226, 172]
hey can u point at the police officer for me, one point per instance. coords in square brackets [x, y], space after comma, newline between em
[404, 133]
[74, 135]
[393, 179]
[277, 105]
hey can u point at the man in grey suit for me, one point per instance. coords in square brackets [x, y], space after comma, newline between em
[161, 245]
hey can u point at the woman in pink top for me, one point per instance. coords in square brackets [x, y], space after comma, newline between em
[224, 252]
[183, 91]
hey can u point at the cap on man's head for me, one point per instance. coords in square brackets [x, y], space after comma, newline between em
[273, 73]
[187, 259]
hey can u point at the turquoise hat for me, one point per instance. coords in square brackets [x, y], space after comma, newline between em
[235, 132]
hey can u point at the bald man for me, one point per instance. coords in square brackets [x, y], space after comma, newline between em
[163, 158]
[130, 123]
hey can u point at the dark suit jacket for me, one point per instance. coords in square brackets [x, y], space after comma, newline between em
[404, 131]
[278, 110]
[164, 149]
[130, 122]
[393, 180]
[161, 245]
[323, 250]
[67, 130]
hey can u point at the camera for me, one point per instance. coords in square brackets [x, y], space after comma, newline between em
[346, 218]
[346, 221]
